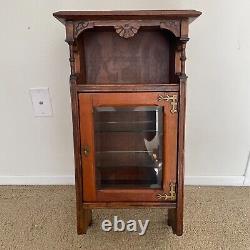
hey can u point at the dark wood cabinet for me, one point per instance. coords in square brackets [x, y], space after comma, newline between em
[128, 90]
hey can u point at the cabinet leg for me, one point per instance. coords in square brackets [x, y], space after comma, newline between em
[175, 220]
[179, 222]
[172, 219]
[84, 219]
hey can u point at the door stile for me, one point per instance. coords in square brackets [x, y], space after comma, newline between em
[87, 147]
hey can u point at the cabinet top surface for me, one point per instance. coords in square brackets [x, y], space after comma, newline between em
[125, 14]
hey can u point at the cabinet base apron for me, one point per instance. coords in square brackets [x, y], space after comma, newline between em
[85, 221]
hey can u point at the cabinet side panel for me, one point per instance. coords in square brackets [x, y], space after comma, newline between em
[180, 170]
[78, 166]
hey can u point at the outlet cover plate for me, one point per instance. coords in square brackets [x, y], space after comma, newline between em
[41, 101]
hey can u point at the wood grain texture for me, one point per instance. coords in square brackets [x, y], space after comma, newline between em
[78, 163]
[64, 16]
[129, 204]
[111, 59]
[87, 141]
[180, 170]
[87, 219]
[137, 87]
[170, 149]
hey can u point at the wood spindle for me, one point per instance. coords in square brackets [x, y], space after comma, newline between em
[183, 58]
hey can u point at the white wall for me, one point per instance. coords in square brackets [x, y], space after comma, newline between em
[33, 53]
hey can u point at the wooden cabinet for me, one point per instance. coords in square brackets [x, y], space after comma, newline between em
[128, 90]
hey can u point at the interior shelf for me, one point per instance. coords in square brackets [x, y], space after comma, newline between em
[123, 151]
[126, 131]
[138, 186]
[125, 166]
[125, 126]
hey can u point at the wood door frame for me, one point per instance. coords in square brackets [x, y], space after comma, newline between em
[86, 103]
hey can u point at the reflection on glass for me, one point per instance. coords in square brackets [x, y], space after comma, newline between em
[128, 147]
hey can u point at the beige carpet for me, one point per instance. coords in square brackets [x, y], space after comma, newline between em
[44, 218]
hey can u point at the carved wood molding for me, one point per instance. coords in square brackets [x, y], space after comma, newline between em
[127, 30]
[80, 26]
[173, 25]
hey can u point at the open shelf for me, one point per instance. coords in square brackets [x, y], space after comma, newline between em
[146, 58]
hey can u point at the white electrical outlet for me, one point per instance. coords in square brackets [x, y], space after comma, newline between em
[41, 101]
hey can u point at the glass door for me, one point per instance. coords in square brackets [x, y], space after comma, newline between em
[128, 144]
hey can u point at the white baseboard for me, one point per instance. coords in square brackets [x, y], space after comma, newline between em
[247, 179]
[37, 180]
[247, 183]
[70, 180]
[215, 180]
[247, 174]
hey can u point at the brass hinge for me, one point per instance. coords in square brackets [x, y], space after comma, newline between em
[173, 99]
[168, 197]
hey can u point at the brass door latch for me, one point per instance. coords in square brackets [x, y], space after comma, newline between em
[173, 101]
[168, 197]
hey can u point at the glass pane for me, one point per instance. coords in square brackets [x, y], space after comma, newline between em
[128, 147]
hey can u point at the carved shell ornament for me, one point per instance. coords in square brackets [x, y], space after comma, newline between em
[127, 30]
